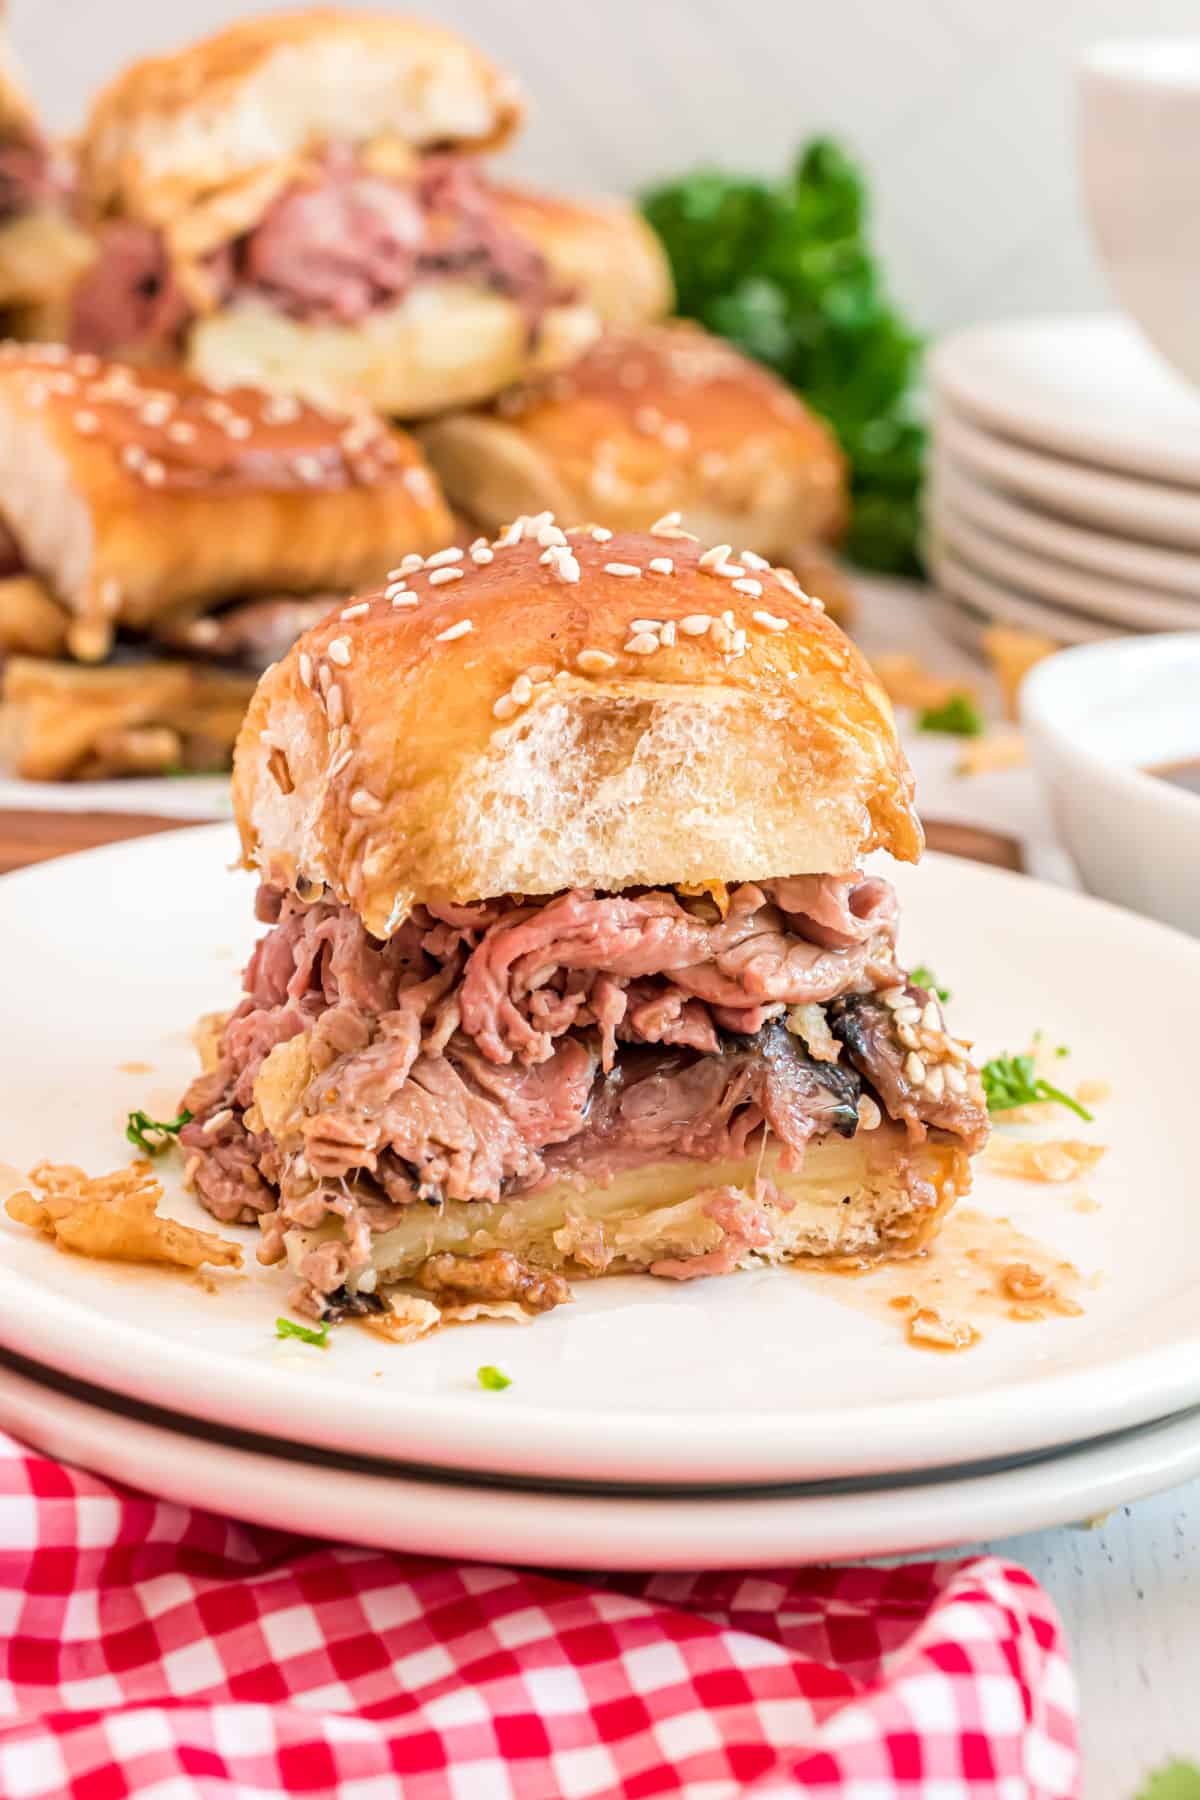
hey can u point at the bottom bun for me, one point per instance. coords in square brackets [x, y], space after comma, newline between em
[871, 1197]
[448, 343]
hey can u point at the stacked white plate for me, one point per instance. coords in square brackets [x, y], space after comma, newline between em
[752, 1420]
[1064, 495]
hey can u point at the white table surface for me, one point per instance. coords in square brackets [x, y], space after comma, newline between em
[1127, 1588]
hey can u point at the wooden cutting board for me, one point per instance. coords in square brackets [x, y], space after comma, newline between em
[32, 837]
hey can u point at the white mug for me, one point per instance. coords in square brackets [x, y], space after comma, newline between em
[1139, 136]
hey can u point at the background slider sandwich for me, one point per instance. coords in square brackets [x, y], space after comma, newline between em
[571, 967]
[297, 202]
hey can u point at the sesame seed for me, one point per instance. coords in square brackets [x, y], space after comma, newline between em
[908, 1014]
[408, 566]
[440, 577]
[156, 412]
[645, 624]
[667, 635]
[335, 706]
[540, 671]
[713, 558]
[218, 1119]
[505, 707]
[454, 631]
[935, 1083]
[738, 646]
[600, 534]
[482, 553]
[522, 690]
[154, 473]
[956, 1081]
[341, 761]
[695, 624]
[181, 432]
[512, 534]
[675, 435]
[893, 997]
[237, 427]
[550, 535]
[441, 557]
[306, 668]
[914, 1068]
[339, 651]
[87, 423]
[643, 643]
[786, 579]
[203, 632]
[621, 569]
[365, 804]
[133, 456]
[907, 1036]
[753, 560]
[727, 619]
[931, 1016]
[355, 612]
[666, 524]
[749, 586]
[730, 570]
[648, 419]
[565, 566]
[325, 678]
[769, 622]
[282, 409]
[662, 565]
[394, 588]
[594, 662]
[309, 468]
[401, 598]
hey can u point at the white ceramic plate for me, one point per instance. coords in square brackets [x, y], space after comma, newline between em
[988, 601]
[1085, 386]
[1122, 605]
[765, 1376]
[1136, 567]
[390, 1511]
[200, 797]
[1151, 512]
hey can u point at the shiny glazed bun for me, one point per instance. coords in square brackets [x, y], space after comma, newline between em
[562, 710]
[651, 419]
[174, 130]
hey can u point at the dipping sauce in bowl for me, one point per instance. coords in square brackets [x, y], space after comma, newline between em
[1112, 729]
[1180, 774]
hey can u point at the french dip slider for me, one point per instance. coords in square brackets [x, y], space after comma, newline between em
[141, 499]
[297, 202]
[571, 967]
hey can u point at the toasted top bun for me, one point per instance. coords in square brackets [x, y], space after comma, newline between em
[568, 709]
[658, 418]
[265, 93]
[136, 495]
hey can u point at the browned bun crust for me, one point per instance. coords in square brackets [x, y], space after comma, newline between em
[659, 418]
[602, 249]
[135, 495]
[265, 92]
[516, 730]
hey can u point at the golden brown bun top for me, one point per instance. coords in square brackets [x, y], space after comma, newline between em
[170, 432]
[533, 715]
[267, 91]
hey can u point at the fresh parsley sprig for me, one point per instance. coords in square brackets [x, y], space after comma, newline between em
[960, 717]
[492, 1378]
[286, 1328]
[1010, 1081]
[153, 1136]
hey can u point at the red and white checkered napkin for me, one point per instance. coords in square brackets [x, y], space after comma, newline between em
[152, 1651]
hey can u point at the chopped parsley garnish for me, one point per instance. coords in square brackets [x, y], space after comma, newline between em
[1010, 1081]
[286, 1328]
[1062, 1051]
[923, 977]
[959, 716]
[1178, 1780]
[153, 1136]
[492, 1379]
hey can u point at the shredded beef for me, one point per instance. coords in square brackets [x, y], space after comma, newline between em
[485, 1050]
[332, 248]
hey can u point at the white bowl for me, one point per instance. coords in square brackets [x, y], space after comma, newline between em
[1096, 718]
[1139, 147]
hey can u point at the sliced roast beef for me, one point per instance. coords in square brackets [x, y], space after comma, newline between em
[868, 1029]
[29, 177]
[332, 248]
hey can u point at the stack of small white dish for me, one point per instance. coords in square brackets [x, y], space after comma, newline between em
[1065, 485]
[755, 1419]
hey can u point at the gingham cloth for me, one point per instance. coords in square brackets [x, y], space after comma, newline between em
[154, 1651]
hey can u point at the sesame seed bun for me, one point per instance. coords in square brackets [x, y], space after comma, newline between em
[134, 495]
[652, 419]
[174, 130]
[554, 711]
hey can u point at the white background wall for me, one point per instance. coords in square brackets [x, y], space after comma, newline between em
[961, 108]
